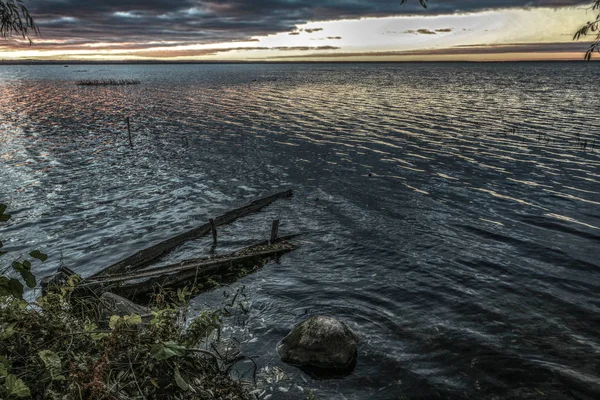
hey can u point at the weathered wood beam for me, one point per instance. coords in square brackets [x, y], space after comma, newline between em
[196, 264]
[213, 228]
[147, 256]
[274, 231]
[146, 281]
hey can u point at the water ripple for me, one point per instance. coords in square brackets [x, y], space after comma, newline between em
[452, 209]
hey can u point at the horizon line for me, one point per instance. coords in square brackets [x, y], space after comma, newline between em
[109, 62]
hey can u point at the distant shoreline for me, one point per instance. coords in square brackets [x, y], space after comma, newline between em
[159, 62]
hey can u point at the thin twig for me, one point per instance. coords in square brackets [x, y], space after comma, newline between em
[135, 379]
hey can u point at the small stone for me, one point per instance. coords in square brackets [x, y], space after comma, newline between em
[320, 342]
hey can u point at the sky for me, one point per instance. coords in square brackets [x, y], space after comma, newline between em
[303, 30]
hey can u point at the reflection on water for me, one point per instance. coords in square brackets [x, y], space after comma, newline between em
[452, 208]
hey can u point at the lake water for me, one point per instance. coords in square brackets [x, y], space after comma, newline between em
[452, 211]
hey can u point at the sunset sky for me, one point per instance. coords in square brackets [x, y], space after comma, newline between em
[299, 30]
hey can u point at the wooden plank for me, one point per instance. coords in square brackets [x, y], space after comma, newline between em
[187, 265]
[274, 231]
[192, 275]
[147, 256]
[213, 229]
[146, 281]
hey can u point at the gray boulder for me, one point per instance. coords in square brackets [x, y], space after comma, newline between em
[320, 342]
[111, 304]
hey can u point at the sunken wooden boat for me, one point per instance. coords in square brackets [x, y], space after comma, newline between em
[148, 256]
[134, 277]
[194, 273]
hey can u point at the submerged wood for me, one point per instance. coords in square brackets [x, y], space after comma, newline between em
[274, 231]
[191, 271]
[147, 256]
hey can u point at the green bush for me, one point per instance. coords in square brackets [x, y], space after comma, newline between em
[60, 347]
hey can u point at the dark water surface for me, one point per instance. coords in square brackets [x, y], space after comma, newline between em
[457, 227]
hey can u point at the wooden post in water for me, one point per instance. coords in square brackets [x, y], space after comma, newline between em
[213, 229]
[129, 131]
[274, 231]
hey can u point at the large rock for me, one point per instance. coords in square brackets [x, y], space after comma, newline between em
[111, 304]
[320, 342]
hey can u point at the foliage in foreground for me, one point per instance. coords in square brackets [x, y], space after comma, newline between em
[60, 347]
[15, 20]
[50, 351]
[593, 27]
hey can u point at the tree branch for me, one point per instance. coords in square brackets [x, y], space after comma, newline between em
[15, 20]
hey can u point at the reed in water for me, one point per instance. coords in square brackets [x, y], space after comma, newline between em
[108, 82]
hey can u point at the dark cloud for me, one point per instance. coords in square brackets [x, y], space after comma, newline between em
[199, 21]
[211, 52]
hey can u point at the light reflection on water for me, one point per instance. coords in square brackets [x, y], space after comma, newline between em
[456, 226]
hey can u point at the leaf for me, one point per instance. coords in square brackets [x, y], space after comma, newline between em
[24, 269]
[15, 288]
[29, 279]
[52, 362]
[16, 387]
[17, 266]
[51, 359]
[11, 287]
[3, 371]
[4, 286]
[132, 319]
[113, 321]
[166, 350]
[116, 320]
[91, 328]
[4, 217]
[183, 385]
[73, 280]
[8, 331]
[39, 255]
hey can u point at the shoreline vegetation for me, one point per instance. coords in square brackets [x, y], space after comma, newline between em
[76, 343]
[62, 346]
